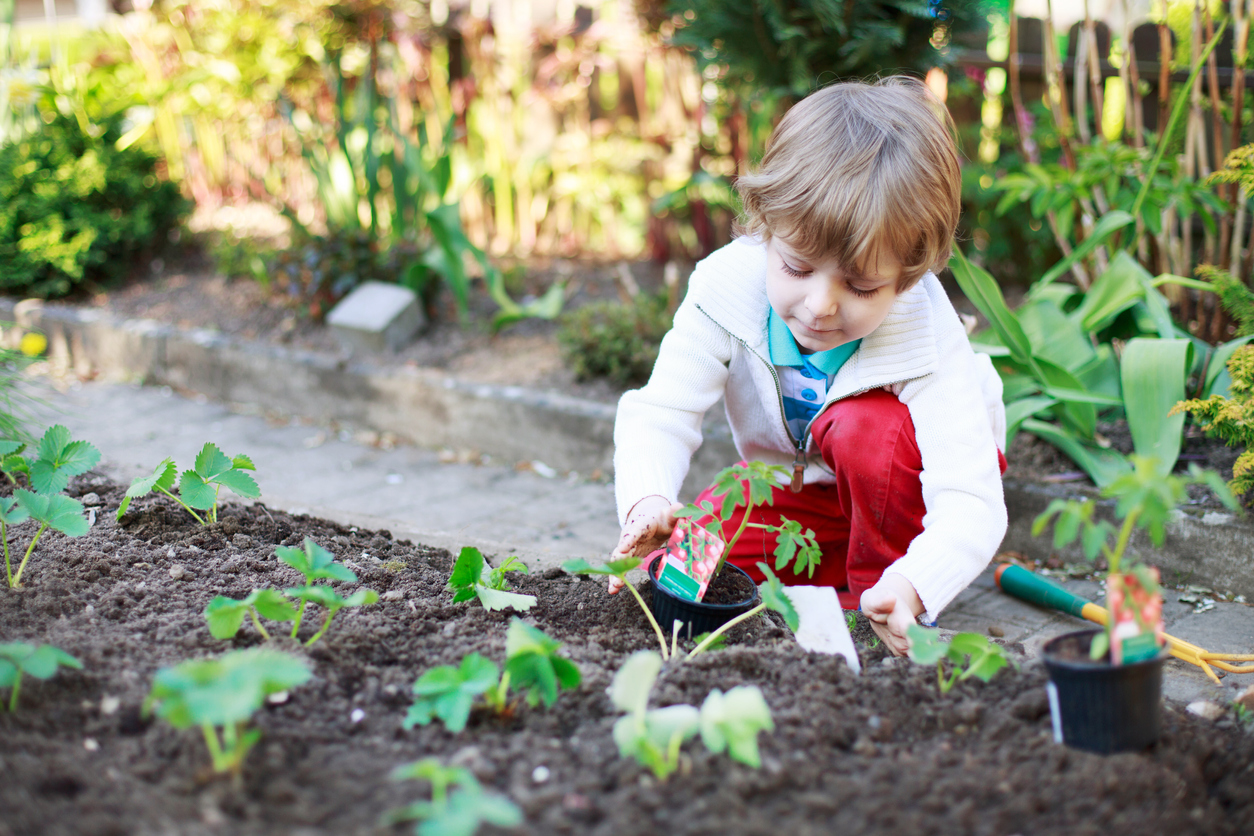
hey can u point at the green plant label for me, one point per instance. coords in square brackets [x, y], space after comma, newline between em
[1139, 648]
[674, 580]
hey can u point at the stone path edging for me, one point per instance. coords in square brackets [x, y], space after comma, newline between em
[432, 409]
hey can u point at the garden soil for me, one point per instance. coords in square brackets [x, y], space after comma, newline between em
[880, 752]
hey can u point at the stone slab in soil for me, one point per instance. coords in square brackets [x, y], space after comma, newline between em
[878, 753]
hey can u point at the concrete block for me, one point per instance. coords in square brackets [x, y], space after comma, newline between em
[377, 316]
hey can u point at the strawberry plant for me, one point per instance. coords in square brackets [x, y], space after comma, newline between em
[18, 658]
[58, 512]
[223, 694]
[456, 813]
[726, 722]
[59, 458]
[226, 615]
[969, 654]
[448, 693]
[532, 667]
[199, 487]
[472, 577]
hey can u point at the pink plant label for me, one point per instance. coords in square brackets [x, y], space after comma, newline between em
[1138, 616]
[692, 555]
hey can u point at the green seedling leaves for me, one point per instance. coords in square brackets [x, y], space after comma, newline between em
[653, 738]
[473, 578]
[56, 511]
[971, 654]
[629, 690]
[12, 513]
[791, 543]
[199, 487]
[331, 600]
[456, 813]
[224, 693]
[226, 615]
[618, 568]
[533, 665]
[314, 562]
[60, 513]
[732, 721]
[775, 598]
[18, 658]
[59, 459]
[448, 693]
[161, 479]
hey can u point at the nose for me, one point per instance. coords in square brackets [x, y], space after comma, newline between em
[821, 300]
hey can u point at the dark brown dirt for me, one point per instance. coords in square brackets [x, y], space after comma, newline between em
[876, 753]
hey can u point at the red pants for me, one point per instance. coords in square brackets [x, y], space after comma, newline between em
[864, 520]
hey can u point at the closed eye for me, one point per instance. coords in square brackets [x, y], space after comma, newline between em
[792, 271]
[864, 294]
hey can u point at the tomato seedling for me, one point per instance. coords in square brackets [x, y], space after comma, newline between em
[970, 654]
[773, 598]
[654, 737]
[456, 813]
[223, 693]
[199, 487]
[472, 577]
[18, 658]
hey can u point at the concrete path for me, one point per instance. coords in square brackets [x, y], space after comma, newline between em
[521, 508]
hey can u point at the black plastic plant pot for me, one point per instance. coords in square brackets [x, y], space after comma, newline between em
[1097, 706]
[697, 617]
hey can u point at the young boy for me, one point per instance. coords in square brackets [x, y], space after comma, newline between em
[837, 353]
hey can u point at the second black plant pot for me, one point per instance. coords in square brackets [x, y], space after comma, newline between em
[1097, 706]
[696, 617]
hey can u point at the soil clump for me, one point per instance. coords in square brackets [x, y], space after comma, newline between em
[880, 752]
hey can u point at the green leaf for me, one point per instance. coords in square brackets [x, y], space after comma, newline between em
[42, 662]
[1118, 288]
[984, 292]
[619, 568]
[926, 646]
[499, 599]
[314, 562]
[1153, 372]
[211, 462]
[59, 459]
[775, 598]
[196, 492]
[467, 570]
[271, 604]
[161, 478]
[11, 513]
[1108, 225]
[58, 512]
[732, 721]
[1102, 466]
[239, 482]
[224, 690]
[225, 616]
[242, 462]
[8, 448]
[629, 690]
[449, 693]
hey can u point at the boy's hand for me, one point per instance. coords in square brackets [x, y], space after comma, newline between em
[892, 606]
[648, 526]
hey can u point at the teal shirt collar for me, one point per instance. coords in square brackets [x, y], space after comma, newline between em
[784, 351]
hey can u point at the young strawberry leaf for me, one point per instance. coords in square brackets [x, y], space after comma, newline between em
[314, 562]
[213, 471]
[161, 479]
[533, 665]
[473, 578]
[55, 511]
[732, 721]
[618, 568]
[459, 813]
[224, 693]
[983, 657]
[448, 693]
[328, 598]
[18, 658]
[926, 646]
[59, 459]
[226, 615]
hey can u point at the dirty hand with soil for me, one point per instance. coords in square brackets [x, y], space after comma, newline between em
[648, 526]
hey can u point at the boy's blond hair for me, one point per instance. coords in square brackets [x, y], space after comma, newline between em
[855, 167]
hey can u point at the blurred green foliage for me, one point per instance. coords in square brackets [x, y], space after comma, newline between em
[614, 339]
[74, 208]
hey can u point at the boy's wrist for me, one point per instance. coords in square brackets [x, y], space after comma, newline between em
[646, 501]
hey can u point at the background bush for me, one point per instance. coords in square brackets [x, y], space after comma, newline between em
[615, 340]
[73, 208]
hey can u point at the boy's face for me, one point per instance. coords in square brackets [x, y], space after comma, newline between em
[823, 304]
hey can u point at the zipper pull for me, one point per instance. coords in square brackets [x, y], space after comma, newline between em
[798, 468]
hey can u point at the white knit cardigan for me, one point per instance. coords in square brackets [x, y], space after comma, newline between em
[920, 352]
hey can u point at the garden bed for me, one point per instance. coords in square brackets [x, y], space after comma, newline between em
[879, 752]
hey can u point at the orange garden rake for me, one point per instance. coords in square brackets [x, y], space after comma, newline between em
[1030, 587]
